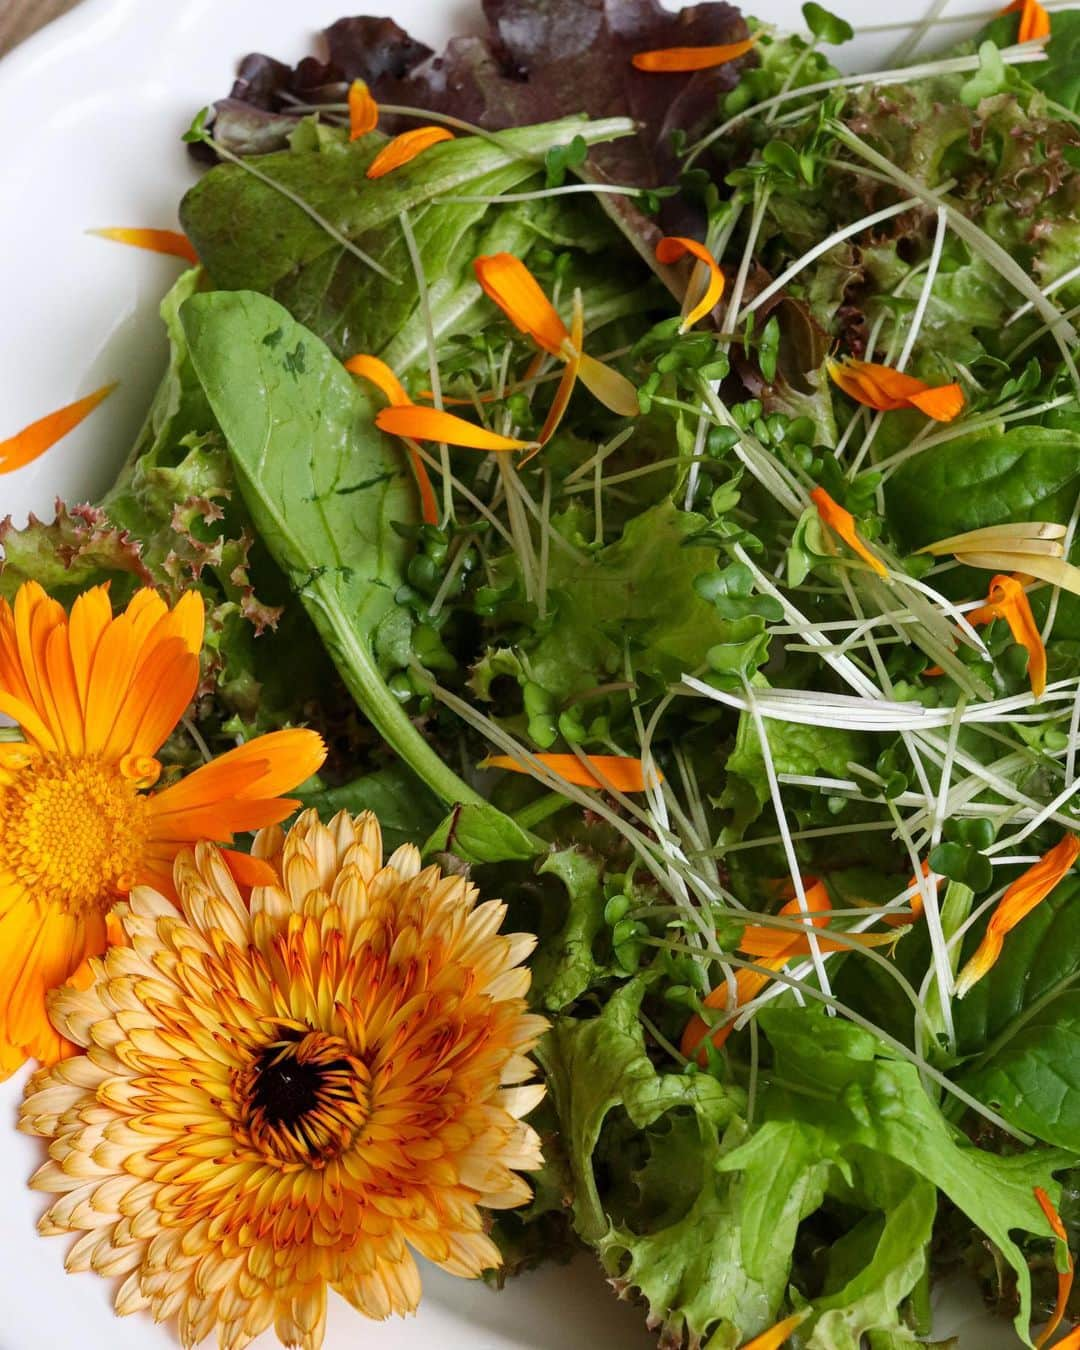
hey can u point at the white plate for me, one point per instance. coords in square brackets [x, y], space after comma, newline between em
[93, 109]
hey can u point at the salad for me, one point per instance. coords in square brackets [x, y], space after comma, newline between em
[637, 465]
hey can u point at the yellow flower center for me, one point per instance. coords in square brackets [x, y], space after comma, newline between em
[302, 1099]
[74, 827]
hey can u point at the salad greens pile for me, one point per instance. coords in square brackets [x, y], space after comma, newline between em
[665, 588]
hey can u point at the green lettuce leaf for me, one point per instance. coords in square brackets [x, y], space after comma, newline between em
[251, 237]
[1059, 75]
[839, 1081]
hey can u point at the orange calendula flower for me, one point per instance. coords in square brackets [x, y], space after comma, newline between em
[96, 697]
[509, 283]
[405, 148]
[618, 771]
[1034, 20]
[363, 110]
[1019, 900]
[673, 247]
[676, 60]
[1064, 1266]
[781, 945]
[26, 445]
[887, 389]
[843, 523]
[156, 241]
[292, 1093]
[1008, 600]
[778, 1335]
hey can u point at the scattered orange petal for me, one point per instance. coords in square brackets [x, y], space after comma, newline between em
[621, 772]
[363, 110]
[432, 424]
[429, 503]
[1019, 900]
[917, 905]
[1064, 1276]
[26, 445]
[777, 1335]
[405, 148]
[613, 390]
[1034, 20]
[887, 389]
[779, 947]
[380, 374]
[675, 246]
[676, 60]
[843, 522]
[249, 871]
[569, 376]
[157, 241]
[1008, 600]
[506, 280]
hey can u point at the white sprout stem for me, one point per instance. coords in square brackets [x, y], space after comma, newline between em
[1063, 332]
[927, 290]
[567, 190]
[432, 355]
[1074, 738]
[1063, 280]
[1050, 809]
[785, 835]
[837, 237]
[956, 65]
[911, 41]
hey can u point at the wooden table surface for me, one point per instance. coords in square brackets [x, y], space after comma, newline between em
[20, 18]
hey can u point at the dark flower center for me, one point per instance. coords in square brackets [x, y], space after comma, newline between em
[286, 1089]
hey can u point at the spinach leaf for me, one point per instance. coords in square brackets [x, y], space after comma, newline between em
[1023, 1022]
[1028, 473]
[479, 833]
[252, 237]
[299, 430]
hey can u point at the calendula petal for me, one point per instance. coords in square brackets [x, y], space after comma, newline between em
[675, 246]
[1064, 1267]
[26, 445]
[1008, 538]
[363, 110]
[380, 374]
[677, 60]
[843, 523]
[429, 504]
[1019, 900]
[405, 148]
[1056, 571]
[613, 390]
[157, 241]
[1008, 601]
[1034, 20]
[509, 283]
[886, 389]
[569, 376]
[432, 424]
[618, 771]
[776, 1336]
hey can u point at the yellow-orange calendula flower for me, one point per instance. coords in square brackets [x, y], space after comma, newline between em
[292, 1092]
[886, 389]
[156, 241]
[363, 110]
[673, 247]
[1064, 1266]
[1008, 600]
[680, 60]
[509, 283]
[404, 149]
[1019, 900]
[1034, 20]
[33, 440]
[95, 698]
[842, 522]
